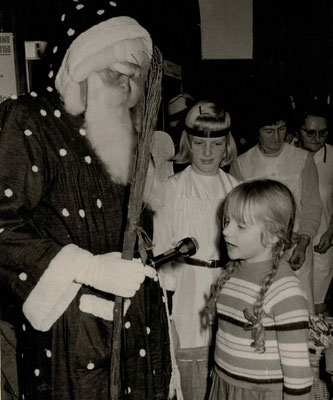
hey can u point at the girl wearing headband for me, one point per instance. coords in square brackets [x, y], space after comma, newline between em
[192, 208]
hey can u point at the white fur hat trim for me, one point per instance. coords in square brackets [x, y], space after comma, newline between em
[118, 39]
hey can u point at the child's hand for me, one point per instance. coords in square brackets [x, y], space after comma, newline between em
[298, 257]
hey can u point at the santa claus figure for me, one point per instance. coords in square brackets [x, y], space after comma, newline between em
[66, 162]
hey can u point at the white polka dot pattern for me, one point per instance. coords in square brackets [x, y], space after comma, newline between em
[13, 97]
[79, 6]
[48, 353]
[23, 276]
[8, 192]
[142, 353]
[43, 112]
[63, 17]
[34, 168]
[63, 152]
[82, 213]
[27, 132]
[37, 372]
[99, 203]
[70, 32]
[50, 75]
[113, 4]
[100, 12]
[91, 366]
[65, 212]
[57, 113]
[1, 230]
[33, 94]
[24, 327]
[87, 159]
[148, 330]
[49, 89]
[127, 325]
[83, 132]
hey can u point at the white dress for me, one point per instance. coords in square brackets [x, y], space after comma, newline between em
[323, 263]
[193, 205]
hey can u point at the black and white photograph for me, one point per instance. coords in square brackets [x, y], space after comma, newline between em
[166, 199]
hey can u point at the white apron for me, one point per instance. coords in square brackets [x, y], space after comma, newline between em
[192, 209]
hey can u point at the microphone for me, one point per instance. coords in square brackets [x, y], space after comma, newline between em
[185, 248]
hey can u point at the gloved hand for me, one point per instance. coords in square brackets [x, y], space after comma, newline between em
[112, 274]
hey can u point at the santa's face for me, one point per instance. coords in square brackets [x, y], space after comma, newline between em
[125, 83]
[109, 122]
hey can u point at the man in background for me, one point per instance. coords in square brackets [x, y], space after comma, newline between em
[313, 134]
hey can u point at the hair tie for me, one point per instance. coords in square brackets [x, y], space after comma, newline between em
[256, 327]
[252, 320]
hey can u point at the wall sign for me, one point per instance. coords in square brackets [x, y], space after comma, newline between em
[8, 84]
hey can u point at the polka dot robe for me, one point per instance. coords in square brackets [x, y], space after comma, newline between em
[54, 191]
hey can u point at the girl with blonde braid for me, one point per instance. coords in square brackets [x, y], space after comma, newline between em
[261, 347]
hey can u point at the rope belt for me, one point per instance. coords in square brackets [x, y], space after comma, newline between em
[199, 263]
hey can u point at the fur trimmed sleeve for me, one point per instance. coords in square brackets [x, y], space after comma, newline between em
[55, 290]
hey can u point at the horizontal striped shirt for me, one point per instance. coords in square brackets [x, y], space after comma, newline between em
[285, 363]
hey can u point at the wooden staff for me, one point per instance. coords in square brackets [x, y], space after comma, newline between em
[150, 104]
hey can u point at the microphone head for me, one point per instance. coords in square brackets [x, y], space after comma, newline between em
[187, 247]
[196, 244]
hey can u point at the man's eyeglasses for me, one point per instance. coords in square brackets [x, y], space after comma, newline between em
[312, 133]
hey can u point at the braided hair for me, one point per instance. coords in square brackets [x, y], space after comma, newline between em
[216, 290]
[255, 323]
[271, 205]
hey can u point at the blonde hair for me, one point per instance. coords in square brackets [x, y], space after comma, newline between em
[271, 205]
[206, 115]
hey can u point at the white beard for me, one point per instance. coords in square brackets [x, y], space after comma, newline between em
[110, 128]
[111, 132]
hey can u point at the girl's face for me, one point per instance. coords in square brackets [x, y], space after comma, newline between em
[244, 241]
[207, 154]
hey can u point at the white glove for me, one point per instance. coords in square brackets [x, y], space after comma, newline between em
[112, 274]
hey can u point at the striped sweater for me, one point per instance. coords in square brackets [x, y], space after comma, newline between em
[285, 363]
